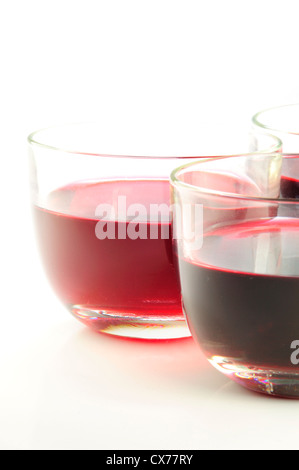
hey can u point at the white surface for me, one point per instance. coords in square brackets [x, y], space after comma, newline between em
[71, 388]
[173, 63]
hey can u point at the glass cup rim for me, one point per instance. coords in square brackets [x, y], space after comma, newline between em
[32, 139]
[257, 121]
[176, 183]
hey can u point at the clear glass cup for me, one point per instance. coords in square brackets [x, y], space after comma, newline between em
[103, 224]
[282, 121]
[239, 270]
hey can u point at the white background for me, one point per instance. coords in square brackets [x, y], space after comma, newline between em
[139, 62]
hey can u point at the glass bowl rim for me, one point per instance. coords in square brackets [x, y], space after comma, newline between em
[176, 183]
[32, 140]
[257, 122]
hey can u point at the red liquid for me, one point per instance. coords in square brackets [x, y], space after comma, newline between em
[290, 178]
[123, 276]
[241, 294]
[289, 188]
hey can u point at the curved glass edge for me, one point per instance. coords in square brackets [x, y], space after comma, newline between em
[178, 184]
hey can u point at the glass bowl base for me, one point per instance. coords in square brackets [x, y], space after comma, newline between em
[128, 325]
[273, 382]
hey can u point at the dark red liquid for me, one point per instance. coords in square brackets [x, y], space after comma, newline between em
[135, 277]
[290, 187]
[241, 292]
[290, 178]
